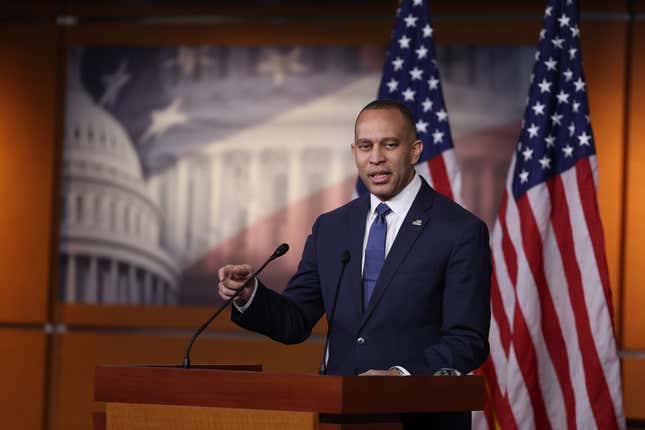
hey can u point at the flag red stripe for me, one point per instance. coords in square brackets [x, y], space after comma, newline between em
[499, 314]
[587, 189]
[550, 324]
[523, 345]
[510, 256]
[498, 410]
[528, 364]
[597, 388]
[439, 173]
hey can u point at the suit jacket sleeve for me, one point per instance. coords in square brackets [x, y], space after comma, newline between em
[463, 343]
[288, 317]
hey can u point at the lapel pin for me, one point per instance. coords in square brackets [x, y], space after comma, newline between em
[416, 222]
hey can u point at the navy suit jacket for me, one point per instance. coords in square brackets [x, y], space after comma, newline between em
[430, 307]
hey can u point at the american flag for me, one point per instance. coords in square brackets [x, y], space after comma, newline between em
[553, 361]
[410, 75]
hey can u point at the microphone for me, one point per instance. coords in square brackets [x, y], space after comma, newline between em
[344, 259]
[279, 252]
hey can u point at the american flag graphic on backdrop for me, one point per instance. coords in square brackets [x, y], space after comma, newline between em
[410, 75]
[553, 361]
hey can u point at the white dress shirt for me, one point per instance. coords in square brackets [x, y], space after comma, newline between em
[399, 205]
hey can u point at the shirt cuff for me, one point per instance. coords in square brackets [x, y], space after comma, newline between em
[246, 305]
[402, 370]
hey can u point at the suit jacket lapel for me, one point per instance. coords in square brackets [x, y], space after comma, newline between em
[414, 222]
[356, 233]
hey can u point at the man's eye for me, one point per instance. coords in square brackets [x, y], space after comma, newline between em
[391, 145]
[364, 147]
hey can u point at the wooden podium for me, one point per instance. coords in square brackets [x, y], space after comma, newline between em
[216, 397]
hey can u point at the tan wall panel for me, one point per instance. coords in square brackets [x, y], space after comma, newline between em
[22, 376]
[77, 353]
[634, 387]
[634, 294]
[603, 53]
[27, 128]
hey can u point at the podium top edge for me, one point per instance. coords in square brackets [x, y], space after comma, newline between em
[219, 386]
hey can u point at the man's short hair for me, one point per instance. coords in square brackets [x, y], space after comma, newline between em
[392, 104]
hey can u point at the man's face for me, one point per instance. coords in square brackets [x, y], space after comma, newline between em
[385, 152]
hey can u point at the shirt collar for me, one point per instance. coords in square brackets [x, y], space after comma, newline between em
[401, 203]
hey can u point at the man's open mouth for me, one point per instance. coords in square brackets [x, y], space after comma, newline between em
[379, 177]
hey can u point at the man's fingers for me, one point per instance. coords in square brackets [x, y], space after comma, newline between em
[224, 272]
[231, 287]
[228, 289]
[373, 372]
[226, 292]
[241, 273]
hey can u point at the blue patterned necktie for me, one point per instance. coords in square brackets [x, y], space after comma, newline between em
[374, 252]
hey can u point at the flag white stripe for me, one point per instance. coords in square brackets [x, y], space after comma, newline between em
[506, 288]
[497, 355]
[518, 395]
[529, 301]
[423, 170]
[453, 172]
[556, 282]
[593, 160]
[597, 307]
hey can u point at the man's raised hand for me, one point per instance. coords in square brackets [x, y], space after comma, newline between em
[232, 278]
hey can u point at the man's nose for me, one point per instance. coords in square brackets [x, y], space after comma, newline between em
[376, 155]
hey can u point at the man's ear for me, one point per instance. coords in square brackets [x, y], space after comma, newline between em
[417, 147]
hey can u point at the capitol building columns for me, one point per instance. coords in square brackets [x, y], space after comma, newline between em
[216, 202]
[92, 284]
[110, 294]
[70, 279]
[147, 288]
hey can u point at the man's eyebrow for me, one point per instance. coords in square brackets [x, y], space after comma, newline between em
[384, 139]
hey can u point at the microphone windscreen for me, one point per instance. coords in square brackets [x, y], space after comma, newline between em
[280, 250]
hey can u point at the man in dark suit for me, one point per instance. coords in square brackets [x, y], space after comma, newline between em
[415, 294]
